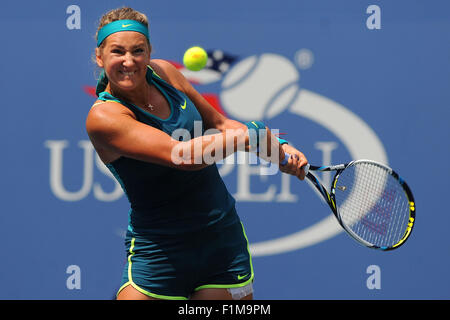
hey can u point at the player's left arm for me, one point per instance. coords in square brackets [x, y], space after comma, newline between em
[214, 119]
[210, 116]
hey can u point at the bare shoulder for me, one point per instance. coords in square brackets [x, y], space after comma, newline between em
[211, 117]
[103, 122]
[104, 116]
[169, 73]
[162, 66]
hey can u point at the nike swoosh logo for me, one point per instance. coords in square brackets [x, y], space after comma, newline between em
[242, 277]
[126, 25]
[183, 106]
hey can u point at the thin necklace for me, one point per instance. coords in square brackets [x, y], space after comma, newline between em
[149, 105]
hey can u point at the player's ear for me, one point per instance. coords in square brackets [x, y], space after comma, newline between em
[98, 57]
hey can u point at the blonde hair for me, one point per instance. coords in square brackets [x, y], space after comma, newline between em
[124, 13]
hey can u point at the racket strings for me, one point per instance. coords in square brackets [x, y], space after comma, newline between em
[372, 204]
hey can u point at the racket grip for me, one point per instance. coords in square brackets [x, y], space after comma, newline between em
[286, 159]
[306, 169]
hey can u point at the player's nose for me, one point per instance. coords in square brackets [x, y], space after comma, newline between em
[128, 60]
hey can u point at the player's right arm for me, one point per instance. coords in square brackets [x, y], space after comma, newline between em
[115, 132]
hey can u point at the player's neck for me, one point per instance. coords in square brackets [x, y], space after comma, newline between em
[137, 96]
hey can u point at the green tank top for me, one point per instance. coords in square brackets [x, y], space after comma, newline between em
[165, 200]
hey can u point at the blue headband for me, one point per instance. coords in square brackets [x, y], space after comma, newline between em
[121, 25]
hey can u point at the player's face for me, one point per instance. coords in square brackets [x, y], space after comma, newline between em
[124, 57]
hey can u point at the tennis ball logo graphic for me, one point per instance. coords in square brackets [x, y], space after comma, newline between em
[259, 87]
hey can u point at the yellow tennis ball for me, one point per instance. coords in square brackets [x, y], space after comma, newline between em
[195, 58]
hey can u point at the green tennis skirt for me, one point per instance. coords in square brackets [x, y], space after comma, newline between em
[175, 266]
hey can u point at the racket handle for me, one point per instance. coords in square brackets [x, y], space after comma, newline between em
[286, 159]
[306, 169]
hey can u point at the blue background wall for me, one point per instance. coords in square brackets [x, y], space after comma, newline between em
[393, 81]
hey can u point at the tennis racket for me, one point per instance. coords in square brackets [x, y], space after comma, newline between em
[370, 201]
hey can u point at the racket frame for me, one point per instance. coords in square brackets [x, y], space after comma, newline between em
[330, 198]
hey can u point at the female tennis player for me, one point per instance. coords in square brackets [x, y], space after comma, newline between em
[184, 238]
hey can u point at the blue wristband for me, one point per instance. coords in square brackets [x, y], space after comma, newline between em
[254, 128]
[282, 141]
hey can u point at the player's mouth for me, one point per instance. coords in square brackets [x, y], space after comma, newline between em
[127, 74]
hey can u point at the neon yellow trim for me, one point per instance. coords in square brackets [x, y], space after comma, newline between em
[153, 71]
[130, 277]
[123, 286]
[134, 285]
[156, 74]
[226, 286]
[407, 232]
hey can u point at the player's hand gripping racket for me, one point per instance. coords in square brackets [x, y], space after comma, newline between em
[370, 201]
